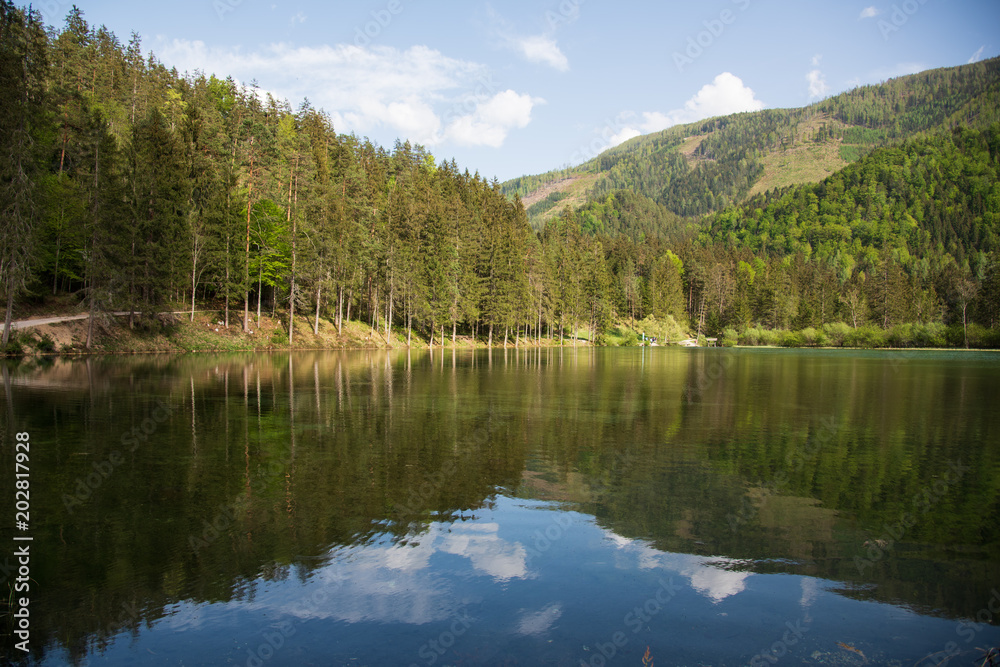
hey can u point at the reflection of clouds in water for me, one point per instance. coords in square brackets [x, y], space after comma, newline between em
[713, 582]
[539, 622]
[810, 591]
[394, 583]
[707, 575]
[488, 553]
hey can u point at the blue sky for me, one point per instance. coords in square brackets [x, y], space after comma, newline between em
[523, 87]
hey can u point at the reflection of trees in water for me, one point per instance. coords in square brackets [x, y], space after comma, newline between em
[268, 463]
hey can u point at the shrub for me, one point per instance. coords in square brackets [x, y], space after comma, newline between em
[837, 333]
[751, 336]
[770, 337]
[279, 337]
[45, 344]
[929, 335]
[13, 348]
[867, 337]
[790, 339]
[629, 339]
[665, 330]
[900, 335]
[809, 336]
[730, 338]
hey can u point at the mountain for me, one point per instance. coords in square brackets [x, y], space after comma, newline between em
[692, 170]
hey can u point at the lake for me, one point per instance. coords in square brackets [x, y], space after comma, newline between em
[520, 507]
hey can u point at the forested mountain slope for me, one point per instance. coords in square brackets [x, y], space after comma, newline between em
[127, 186]
[707, 166]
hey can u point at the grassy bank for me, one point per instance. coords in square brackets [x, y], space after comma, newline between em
[208, 333]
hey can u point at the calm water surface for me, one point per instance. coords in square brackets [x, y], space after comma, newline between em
[553, 507]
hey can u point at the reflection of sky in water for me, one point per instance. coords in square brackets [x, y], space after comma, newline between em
[416, 583]
[528, 597]
[705, 575]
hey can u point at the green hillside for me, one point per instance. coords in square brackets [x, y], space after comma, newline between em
[704, 167]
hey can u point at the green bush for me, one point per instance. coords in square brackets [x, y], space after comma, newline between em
[665, 330]
[629, 339]
[279, 337]
[730, 338]
[13, 348]
[45, 344]
[955, 335]
[790, 339]
[867, 337]
[836, 333]
[930, 335]
[751, 336]
[809, 336]
[770, 337]
[900, 335]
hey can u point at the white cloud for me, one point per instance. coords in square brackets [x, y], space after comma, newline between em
[418, 93]
[492, 120]
[978, 55]
[817, 84]
[541, 49]
[298, 18]
[816, 59]
[623, 136]
[869, 12]
[725, 95]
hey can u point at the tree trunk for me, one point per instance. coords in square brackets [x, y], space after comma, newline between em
[194, 283]
[293, 200]
[55, 276]
[340, 310]
[10, 312]
[965, 324]
[388, 317]
[246, 262]
[319, 293]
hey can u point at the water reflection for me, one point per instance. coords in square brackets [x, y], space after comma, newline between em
[406, 487]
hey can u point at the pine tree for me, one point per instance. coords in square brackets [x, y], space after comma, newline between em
[22, 124]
